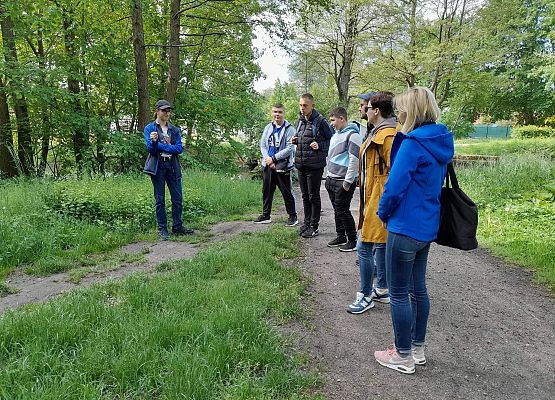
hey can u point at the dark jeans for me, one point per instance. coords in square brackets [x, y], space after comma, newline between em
[310, 181]
[168, 173]
[341, 202]
[406, 260]
[271, 179]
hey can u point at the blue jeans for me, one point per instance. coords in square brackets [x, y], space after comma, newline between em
[371, 257]
[168, 173]
[406, 260]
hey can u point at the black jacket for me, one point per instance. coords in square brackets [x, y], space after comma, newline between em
[316, 129]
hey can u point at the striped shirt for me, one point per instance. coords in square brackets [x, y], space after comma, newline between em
[343, 153]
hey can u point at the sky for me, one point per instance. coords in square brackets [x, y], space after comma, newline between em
[274, 62]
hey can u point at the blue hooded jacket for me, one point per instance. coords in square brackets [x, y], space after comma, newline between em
[410, 201]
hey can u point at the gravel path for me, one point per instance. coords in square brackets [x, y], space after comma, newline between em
[491, 331]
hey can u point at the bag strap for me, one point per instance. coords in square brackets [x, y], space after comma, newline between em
[451, 177]
[381, 160]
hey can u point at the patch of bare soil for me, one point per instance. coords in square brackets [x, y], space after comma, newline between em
[31, 289]
[491, 332]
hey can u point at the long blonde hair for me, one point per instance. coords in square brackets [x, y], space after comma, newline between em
[420, 105]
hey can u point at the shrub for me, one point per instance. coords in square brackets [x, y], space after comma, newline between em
[532, 131]
[118, 207]
[461, 127]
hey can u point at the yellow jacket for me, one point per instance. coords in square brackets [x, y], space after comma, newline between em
[374, 165]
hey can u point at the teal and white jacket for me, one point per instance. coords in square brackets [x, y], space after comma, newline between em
[344, 152]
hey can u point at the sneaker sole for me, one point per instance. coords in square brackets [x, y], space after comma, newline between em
[383, 301]
[291, 225]
[266, 221]
[336, 245]
[310, 236]
[401, 368]
[348, 250]
[368, 307]
[419, 361]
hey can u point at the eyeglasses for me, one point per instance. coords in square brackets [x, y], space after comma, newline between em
[366, 108]
[166, 110]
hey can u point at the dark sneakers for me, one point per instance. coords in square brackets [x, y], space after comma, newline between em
[310, 232]
[351, 245]
[292, 221]
[164, 235]
[338, 241]
[262, 219]
[182, 231]
[303, 228]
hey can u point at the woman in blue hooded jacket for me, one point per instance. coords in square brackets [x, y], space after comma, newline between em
[409, 208]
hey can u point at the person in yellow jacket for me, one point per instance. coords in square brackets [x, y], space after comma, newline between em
[374, 168]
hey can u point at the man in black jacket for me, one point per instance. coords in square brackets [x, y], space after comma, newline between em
[312, 140]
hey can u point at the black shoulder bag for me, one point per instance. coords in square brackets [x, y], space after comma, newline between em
[458, 219]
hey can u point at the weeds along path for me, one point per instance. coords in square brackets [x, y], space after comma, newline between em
[32, 289]
[490, 335]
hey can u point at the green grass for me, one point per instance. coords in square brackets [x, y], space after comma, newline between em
[200, 330]
[517, 208]
[50, 226]
[540, 147]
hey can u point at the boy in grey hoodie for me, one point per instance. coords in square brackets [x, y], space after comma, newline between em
[277, 162]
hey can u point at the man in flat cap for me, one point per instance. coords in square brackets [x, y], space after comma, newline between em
[163, 142]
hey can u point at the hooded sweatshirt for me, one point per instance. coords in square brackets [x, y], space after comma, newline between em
[343, 154]
[410, 203]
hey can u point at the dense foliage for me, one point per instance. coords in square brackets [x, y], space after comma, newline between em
[73, 96]
[494, 58]
[532, 131]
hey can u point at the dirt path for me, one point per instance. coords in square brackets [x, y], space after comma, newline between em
[31, 289]
[491, 333]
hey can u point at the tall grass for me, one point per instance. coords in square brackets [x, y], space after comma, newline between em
[197, 331]
[517, 209]
[46, 226]
[544, 147]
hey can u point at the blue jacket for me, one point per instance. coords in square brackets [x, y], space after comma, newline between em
[175, 147]
[410, 201]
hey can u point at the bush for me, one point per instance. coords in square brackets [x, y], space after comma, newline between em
[125, 152]
[108, 204]
[461, 127]
[532, 131]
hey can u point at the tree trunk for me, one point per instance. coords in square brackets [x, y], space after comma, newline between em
[344, 78]
[7, 162]
[173, 70]
[79, 135]
[24, 145]
[45, 139]
[410, 78]
[141, 68]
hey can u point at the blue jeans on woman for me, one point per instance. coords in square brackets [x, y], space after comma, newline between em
[371, 258]
[406, 260]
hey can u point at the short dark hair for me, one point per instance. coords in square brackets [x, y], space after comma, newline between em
[278, 105]
[384, 102]
[339, 112]
[307, 96]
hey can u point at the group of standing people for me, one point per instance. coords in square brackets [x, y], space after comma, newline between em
[399, 159]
